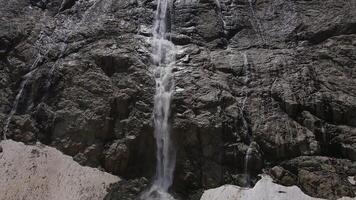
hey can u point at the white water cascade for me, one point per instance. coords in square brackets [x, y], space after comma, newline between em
[247, 69]
[247, 159]
[164, 59]
[247, 72]
[26, 78]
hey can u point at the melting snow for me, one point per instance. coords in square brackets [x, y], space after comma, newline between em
[44, 173]
[265, 189]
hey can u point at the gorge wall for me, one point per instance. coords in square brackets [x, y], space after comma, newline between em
[277, 77]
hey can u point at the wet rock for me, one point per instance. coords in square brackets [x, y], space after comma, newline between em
[283, 177]
[179, 39]
[44, 116]
[330, 186]
[116, 158]
[24, 129]
[126, 189]
[39, 3]
[112, 59]
[66, 4]
[196, 195]
[243, 180]
[320, 176]
[254, 159]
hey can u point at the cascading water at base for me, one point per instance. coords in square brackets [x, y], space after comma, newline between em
[164, 59]
[26, 78]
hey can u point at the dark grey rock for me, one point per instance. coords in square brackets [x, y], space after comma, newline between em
[329, 174]
[39, 3]
[282, 176]
[127, 189]
[91, 93]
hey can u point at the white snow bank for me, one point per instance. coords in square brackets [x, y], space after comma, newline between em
[265, 189]
[44, 173]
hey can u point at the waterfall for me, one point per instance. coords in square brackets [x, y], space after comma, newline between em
[33, 68]
[64, 48]
[164, 59]
[258, 26]
[247, 159]
[323, 132]
[247, 73]
[26, 78]
[247, 69]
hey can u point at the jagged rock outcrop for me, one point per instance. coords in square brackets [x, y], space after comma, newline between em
[127, 190]
[277, 73]
[322, 176]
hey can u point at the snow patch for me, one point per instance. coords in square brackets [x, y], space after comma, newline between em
[265, 189]
[42, 173]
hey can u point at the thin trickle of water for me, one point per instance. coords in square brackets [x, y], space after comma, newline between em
[323, 132]
[258, 28]
[247, 73]
[163, 56]
[64, 47]
[26, 78]
[247, 159]
[247, 69]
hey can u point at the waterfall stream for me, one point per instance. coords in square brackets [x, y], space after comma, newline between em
[247, 159]
[163, 56]
[247, 73]
[26, 78]
[258, 26]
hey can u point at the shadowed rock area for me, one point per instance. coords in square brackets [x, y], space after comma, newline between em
[275, 78]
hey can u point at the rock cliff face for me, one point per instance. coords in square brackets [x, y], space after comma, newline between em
[275, 78]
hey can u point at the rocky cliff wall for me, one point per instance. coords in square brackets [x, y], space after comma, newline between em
[277, 76]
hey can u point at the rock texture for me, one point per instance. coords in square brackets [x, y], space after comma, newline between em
[329, 174]
[127, 190]
[40, 172]
[276, 73]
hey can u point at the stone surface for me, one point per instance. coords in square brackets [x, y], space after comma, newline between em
[324, 177]
[277, 73]
[127, 190]
[283, 177]
[40, 172]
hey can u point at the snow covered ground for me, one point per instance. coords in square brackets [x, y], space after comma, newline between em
[43, 173]
[265, 189]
